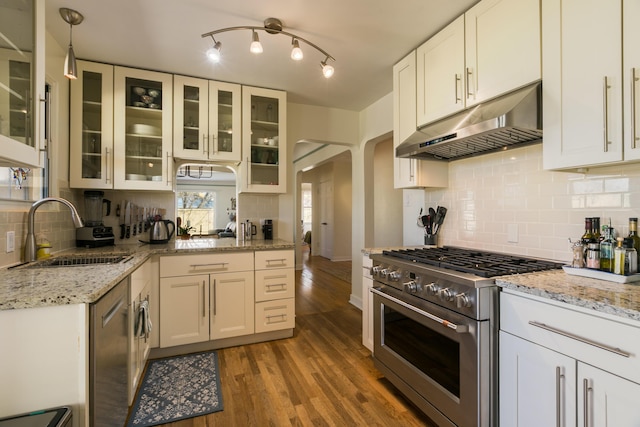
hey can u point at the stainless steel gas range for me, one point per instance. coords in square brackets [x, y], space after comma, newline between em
[435, 328]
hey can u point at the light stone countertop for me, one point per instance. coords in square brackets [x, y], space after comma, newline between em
[32, 286]
[603, 296]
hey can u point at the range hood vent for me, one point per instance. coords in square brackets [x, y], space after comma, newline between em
[514, 119]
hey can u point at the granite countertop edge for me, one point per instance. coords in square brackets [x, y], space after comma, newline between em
[33, 287]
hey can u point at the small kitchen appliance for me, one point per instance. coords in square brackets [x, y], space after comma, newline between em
[95, 233]
[435, 328]
[267, 229]
[161, 230]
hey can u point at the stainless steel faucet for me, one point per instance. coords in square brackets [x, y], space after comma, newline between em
[30, 244]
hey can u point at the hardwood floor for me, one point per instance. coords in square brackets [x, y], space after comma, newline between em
[322, 376]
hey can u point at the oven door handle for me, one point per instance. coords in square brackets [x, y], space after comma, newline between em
[443, 322]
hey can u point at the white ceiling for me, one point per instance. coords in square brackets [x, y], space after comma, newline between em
[366, 37]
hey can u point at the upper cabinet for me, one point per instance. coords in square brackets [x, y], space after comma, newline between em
[583, 82]
[21, 83]
[264, 126]
[411, 173]
[207, 120]
[490, 50]
[143, 105]
[631, 74]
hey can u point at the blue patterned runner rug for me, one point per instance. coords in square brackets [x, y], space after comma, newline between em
[177, 388]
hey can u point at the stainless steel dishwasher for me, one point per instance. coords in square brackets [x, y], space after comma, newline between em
[108, 339]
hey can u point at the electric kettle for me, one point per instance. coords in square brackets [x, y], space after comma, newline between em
[159, 231]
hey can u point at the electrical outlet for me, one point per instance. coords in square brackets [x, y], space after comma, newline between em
[11, 241]
[512, 233]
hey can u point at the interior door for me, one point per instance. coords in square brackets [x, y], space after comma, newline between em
[325, 205]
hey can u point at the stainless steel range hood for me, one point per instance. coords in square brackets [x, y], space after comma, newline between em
[514, 119]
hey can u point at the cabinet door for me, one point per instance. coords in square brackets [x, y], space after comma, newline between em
[143, 130]
[264, 141]
[22, 65]
[225, 121]
[232, 305]
[502, 47]
[606, 399]
[631, 84]
[190, 118]
[537, 385]
[582, 91]
[441, 82]
[91, 127]
[184, 310]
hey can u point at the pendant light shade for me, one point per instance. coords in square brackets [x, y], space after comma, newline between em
[256, 46]
[296, 52]
[72, 18]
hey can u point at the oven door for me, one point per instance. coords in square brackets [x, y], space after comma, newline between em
[435, 356]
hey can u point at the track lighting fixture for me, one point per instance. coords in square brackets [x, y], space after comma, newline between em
[271, 26]
[72, 18]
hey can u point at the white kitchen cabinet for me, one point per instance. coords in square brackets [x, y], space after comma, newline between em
[275, 290]
[206, 297]
[583, 82]
[207, 120]
[367, 303]
[139, 344]
[91, 127]
[631, 81]
[502, 47]
[264, 141]
[22, 70]
[549, 351]
[143, 135]
[410, 173]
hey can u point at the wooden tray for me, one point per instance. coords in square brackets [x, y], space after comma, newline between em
[602, 275]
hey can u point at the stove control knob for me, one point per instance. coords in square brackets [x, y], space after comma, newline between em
[411, 286]
[375, 270]
[395, 275]
[431, 289]
[445, 294]
[384, 273]
[462, 300]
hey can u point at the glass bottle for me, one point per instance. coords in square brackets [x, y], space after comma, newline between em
[606, 250]
[618, 257]
[630, 258]
[587, 237]
[593, 256]
[633, 233]
[595, 222]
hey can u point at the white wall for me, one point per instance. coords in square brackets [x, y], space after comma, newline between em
[387, 201]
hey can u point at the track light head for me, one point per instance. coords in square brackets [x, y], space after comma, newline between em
[256, 46]
[296, 52]
[327, 70]
[214, 53]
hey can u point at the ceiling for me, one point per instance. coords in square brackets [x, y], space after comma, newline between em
[366, 37]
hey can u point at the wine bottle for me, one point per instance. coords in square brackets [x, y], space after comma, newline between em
[606, 250]
[587, 237]
[633, 233]
[595, 222]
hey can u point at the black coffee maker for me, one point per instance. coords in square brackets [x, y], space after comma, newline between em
[267, 229]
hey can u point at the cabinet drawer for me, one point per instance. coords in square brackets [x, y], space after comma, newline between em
[267, 260]
[275, 284]
[569, 330]
[140, 278]
[180, 265]
[275, 315]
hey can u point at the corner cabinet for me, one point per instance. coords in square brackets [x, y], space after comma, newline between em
[143, 130]
[561, 365]
[207, 120]
[22, 70]
[410, 173]
[264, 141]
[591, 78]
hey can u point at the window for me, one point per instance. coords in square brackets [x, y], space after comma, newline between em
[197, 209]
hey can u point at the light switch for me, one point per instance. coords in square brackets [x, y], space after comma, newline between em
[11, 241]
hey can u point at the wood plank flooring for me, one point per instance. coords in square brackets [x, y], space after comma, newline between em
[322, 376]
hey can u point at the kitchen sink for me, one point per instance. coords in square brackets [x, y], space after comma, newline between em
[79, 260]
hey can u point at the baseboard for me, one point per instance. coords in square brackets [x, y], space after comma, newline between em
[355, 301]
[339, 259]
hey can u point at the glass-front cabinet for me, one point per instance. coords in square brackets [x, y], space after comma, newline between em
[143, 102]
[21, 82]
[91, 128]
[264, 140]
[207, 120]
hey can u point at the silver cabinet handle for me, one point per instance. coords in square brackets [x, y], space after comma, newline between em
[215, 299]
[605, 107]
[468, 73]
[456, 81]
[578, 338]
[204, 314]
[634, 79]
[559, 394]
[280, 260]
[205, 145]
[221, 264]
[585, 396]
[411, 173]
[106, 161]
[169, 180]
[282, 316]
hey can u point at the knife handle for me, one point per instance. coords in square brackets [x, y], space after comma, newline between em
[122, 229]
[128, 232]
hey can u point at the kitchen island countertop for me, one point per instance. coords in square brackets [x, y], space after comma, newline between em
[613, 298]
[31, 286]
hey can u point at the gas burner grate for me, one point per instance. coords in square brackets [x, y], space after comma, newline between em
[479, 263]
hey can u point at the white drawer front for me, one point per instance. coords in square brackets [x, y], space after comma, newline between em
[225, 262]
[584, 336]
[267, 260]
[275, 315]
[275, 284]
[367, 262]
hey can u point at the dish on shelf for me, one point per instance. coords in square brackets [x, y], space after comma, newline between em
[142, 129]
[156, 178]
[139, 90]
[153, 92]
[602, 275]
[136, 177]
[154, 106]
[139, 104]
[147, 99]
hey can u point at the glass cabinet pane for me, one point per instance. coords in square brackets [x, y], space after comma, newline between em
[192, 126]
[143, 127]
[264, 140]
[225, 121]
[91, 125]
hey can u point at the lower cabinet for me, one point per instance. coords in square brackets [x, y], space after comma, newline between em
[367, 303]
[562, 367]
[139, 336]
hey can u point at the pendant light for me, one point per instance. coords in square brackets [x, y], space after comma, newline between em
[72, 18]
